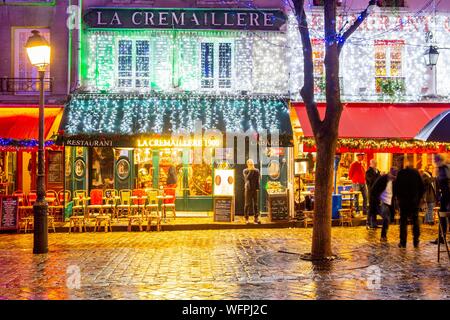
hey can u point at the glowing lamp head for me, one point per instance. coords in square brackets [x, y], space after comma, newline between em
[38, 50]
[431, 56]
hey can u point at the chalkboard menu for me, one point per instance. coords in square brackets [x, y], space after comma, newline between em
[278, 204]
[9, 212]
[55, 167]
[223, 209]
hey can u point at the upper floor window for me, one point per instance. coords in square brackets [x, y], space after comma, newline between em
[28, 1]
[320, 3]
[134, 64]
[388, 61]
[25, 74]
[391, 3]
[216, 69]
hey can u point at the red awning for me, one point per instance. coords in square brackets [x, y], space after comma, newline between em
[377, 120]
[20, 123]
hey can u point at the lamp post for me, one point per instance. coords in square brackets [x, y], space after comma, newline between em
[38, 51]
[431, 56]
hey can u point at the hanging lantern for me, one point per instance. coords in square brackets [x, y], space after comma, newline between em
[431, 56]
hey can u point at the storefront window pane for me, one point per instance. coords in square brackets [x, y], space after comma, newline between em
[102, 168]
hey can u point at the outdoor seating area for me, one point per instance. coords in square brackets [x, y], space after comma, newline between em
[56, 202]
[102, 208]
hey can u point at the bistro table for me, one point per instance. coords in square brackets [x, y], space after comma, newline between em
[161, 199]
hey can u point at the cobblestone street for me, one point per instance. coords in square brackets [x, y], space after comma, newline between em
[221, 264]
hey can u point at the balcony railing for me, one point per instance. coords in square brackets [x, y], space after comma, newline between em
[24, 85]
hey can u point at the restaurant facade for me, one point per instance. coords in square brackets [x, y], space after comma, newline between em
[19, 94]
[180, 98]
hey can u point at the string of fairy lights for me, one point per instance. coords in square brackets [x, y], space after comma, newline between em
[259, 62]
[161, 113]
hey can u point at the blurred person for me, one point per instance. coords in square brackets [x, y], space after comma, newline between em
[409, 190]
[443, 187]
[357, 174]
[372, 174]
[382, 195]
[430, 193]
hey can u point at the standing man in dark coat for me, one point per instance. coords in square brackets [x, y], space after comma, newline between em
[251, 179]
[443, 186]
[372, 174]
[409, 190]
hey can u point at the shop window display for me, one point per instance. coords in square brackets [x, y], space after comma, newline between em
[102, 168]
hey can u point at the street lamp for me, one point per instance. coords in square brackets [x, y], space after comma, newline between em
[431, 56]
[38, 50]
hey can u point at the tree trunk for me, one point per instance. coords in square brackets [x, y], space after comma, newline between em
[321, 242]
[326, 130]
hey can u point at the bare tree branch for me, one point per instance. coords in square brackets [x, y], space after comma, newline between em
[362, 16]
[307, 91]
[333, 98]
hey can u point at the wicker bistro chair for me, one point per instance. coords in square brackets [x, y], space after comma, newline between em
[79, 217]
[79, 202]
[25, 214]
[152, 210]
[124, 203]
[345, 217]
[169, 204]
[442, 235]
[309, 218]
[95, 210]
[137, 208]
[110, 202]
[54, 208]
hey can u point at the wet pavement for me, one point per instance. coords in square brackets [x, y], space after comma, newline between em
[221, 264]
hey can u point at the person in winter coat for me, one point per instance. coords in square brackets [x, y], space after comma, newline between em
[372, 174]
[251, 187]
[443, 186]
[430, 193]
[382, 194]
[357, 174]
[409, 190]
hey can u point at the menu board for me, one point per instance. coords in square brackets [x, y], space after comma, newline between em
[223, 209]
[55, 167]
[278, 207]
[9, 212]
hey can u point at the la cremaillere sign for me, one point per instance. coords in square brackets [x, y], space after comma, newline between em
[196, 19]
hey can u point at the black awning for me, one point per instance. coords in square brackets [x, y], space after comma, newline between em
[103, 120]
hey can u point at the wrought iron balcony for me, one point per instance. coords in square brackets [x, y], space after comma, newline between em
[24, 85]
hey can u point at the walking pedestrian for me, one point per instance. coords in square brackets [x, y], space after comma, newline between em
[357, 174]
[382, 195]
[409, 190]
[372, 174]
[251, 178]
[430, 193]
[443, 186]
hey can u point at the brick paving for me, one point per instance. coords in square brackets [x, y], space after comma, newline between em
[221, 264]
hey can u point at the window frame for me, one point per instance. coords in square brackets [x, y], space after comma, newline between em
[216, 64]
[134, 78]
[20, 57]
[388, 45]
